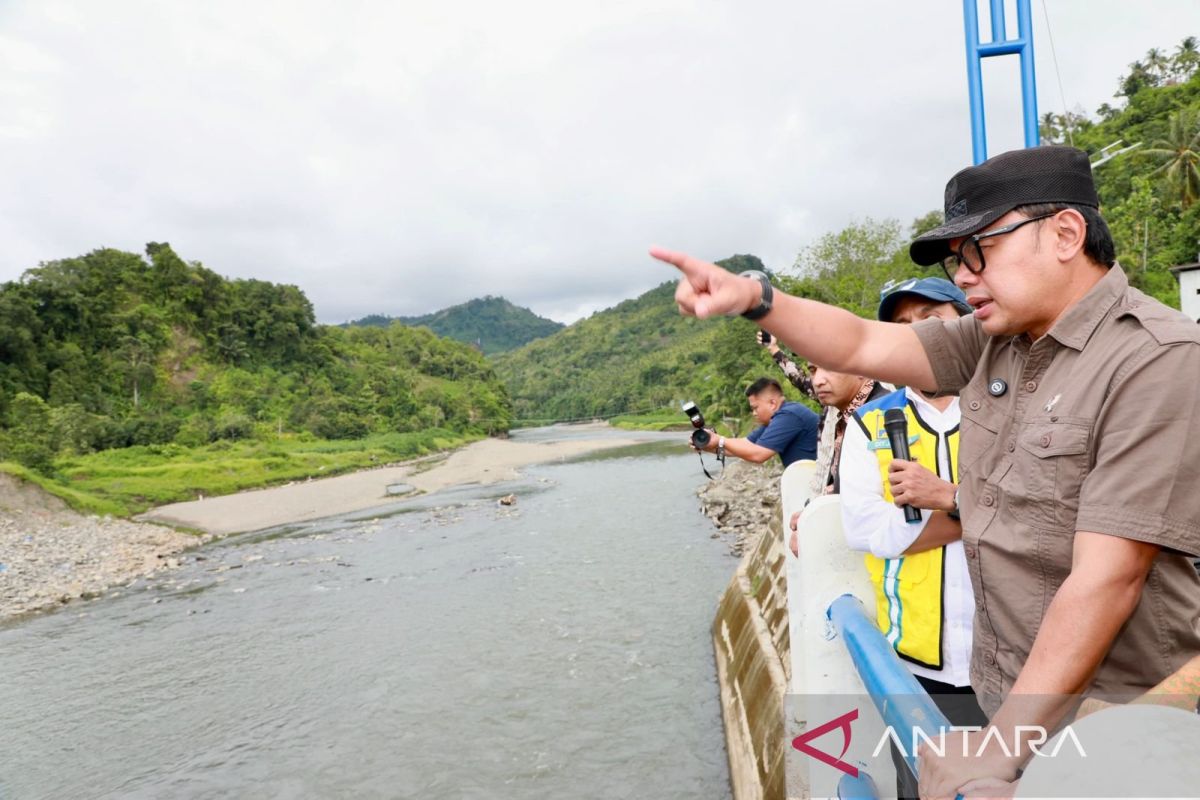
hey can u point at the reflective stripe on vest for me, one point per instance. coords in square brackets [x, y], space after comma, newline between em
[908, 590]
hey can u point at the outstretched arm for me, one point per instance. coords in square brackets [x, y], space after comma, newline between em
[825, 335]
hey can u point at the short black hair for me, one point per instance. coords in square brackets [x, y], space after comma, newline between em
[762, 383]
[1097, 242]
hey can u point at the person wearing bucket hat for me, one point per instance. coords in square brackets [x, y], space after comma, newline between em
[1080, 442]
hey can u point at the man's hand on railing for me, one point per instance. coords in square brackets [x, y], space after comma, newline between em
[948, 774]
[989, 789]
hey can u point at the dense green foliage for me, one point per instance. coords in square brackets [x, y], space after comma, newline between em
[1148, 194]
[638, 356]
[111, 350]
[492, 324]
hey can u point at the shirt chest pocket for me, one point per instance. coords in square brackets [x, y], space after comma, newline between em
[981, 418]
[1050, 464]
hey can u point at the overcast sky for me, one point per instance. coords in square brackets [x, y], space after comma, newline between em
[400, 157]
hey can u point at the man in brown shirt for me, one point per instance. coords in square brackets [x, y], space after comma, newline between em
[1080, 445]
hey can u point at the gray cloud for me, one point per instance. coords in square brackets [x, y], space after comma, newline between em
[397, 158]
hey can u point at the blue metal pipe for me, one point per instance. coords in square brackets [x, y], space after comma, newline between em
[975, 82]
[1028, 79]
[999, 34]
[999, 46]
[902, 703]
[861, 788]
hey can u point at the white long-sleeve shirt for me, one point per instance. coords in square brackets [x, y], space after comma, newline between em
[874, 525]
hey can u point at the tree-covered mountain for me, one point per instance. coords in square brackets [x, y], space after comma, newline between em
[493, 324]
[111, 349]
[636, 356]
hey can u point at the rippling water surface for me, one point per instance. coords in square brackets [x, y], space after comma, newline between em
[445, 647]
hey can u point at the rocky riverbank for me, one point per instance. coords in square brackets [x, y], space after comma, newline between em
[50, 555]
[741, 502]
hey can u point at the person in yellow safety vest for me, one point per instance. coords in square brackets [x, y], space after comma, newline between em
[924, 603]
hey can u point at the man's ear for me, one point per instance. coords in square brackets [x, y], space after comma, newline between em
[1070, 229]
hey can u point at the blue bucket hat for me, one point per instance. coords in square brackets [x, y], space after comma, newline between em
[939, 290]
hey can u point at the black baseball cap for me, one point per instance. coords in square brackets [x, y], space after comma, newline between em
[978, 196]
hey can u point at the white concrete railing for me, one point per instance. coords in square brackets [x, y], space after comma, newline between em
[825, 570]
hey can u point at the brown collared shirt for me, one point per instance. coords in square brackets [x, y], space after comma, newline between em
[1094, 427]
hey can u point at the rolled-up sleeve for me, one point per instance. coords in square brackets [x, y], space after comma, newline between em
[1145, 480]
[953, 348]
[870, 523]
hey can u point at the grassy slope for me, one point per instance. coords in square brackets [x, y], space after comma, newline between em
[130, 480]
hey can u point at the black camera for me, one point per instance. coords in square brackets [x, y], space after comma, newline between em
[700, 436]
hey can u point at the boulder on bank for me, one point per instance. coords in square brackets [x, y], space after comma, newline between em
[742, 500]
[50, 554]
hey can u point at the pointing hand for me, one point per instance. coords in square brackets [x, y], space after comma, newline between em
[706, 290]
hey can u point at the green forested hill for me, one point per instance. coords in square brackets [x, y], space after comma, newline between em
[111, 349]
[492, 323]
[636, 356]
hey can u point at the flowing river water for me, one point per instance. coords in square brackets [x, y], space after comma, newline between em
[443, 647]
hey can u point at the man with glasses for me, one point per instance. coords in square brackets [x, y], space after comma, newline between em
[1080, 445]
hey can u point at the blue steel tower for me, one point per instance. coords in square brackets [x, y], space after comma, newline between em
[1000, 45]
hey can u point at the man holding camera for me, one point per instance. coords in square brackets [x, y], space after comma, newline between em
[1080, 443]
[840, 394]
[787, 429]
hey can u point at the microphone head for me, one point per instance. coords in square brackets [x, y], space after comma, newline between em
[894, 417]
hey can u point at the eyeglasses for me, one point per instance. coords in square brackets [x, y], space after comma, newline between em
[970, 254]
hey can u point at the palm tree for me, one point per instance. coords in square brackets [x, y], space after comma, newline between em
[1180, 155]
[1186, 58]
[1157, 63]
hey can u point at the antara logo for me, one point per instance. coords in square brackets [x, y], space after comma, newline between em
[801, 743]
[936, 743]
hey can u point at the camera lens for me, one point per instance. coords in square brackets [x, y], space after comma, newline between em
[701, 438]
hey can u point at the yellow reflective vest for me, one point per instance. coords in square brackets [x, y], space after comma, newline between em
[908, 589]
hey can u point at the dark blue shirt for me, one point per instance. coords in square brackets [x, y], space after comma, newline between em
[792, 433]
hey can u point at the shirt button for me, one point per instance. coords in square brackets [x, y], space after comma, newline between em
[1031, 386]
[1011, 445]
[991, 659]
[970, 552]
[988, 500]
[975, 405]
[1045, 440]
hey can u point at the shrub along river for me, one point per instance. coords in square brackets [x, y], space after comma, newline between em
[443, 647]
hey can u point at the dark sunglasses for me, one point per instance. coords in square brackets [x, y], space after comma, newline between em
[970, 254]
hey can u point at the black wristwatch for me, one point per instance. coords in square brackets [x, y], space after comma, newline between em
[764, 305]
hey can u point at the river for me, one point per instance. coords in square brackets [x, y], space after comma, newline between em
[444, 647]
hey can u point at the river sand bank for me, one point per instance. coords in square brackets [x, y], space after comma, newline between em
[50, 555]
[484, 462]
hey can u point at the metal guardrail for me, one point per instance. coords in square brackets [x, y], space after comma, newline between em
[902, 703]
